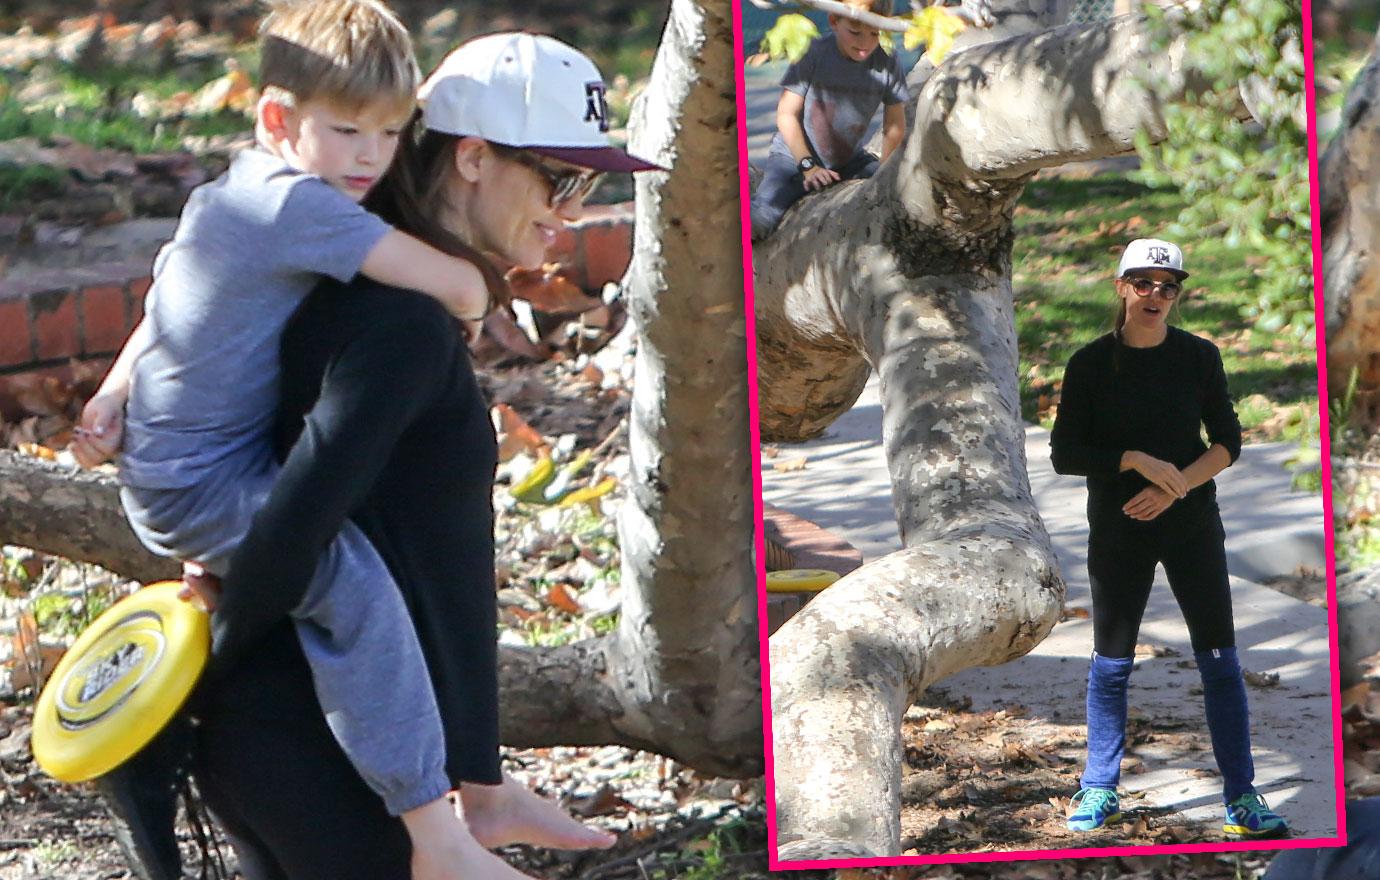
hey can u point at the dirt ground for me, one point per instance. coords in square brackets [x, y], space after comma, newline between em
[1001, 781]
[668, 819]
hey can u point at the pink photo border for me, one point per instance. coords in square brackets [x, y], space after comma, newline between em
[774, 863]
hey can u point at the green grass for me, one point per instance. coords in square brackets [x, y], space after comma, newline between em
[1068, 235]
[23, 184]
[734, 849]
[93, 107]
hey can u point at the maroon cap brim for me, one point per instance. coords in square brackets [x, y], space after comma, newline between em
[598, 158]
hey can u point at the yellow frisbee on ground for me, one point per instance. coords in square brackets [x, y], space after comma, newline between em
[800, 580]
[122, 680]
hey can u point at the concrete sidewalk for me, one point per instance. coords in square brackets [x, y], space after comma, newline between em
[1270, 531]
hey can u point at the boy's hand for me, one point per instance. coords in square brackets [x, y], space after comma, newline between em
[101, 429]
[199, 587]
[819, 177]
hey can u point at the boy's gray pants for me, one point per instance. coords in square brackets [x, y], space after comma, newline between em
[367, 665]
[783, 185]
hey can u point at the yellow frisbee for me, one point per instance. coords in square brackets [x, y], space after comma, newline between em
[800, 580]
[122, 680]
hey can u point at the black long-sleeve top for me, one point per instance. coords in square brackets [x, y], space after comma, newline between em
[382, 421]
[1156, 400]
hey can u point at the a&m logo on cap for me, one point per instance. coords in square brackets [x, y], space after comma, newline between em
[595, 106]
[1159, 255]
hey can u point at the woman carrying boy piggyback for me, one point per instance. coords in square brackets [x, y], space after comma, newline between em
[192, 401]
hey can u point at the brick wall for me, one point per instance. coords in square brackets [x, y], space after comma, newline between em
[48, 319]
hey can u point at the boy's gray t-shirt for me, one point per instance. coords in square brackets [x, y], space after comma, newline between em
[248, 248]
[841, 97]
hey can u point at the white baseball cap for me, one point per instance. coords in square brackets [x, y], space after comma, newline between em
[528, 91]
[1152, 253]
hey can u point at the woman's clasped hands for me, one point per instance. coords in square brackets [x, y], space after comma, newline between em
[1168, 484]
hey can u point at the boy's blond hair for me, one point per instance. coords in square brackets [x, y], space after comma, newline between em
[876, 7]
[351, 53]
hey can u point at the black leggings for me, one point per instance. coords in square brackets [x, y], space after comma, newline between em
[292, 804]
[1122, 554]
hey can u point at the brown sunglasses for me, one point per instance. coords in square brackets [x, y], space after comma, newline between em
[1143, 287]
[566, 184]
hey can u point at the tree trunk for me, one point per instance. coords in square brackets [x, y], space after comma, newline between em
[916, 283]
[688, 633]
[680, 675]
[1350, 206]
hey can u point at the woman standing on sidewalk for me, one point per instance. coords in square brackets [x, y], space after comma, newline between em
[1130, 417]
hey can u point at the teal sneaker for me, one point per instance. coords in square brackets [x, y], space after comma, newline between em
[1093, 808]
[1250, 816]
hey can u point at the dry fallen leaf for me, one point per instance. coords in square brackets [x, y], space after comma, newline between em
[603, 802]
[516, 435]
[30, 660]
[791, 464]
[592, 374]
[559, 597]
[233, 91]
[1145, 649]
[38, 450]
[549, 290]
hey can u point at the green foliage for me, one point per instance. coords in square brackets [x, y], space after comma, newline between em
[1243, 182]
[789, 37]
[1339, 52]
[1305, 465]
[67, 613]
[733, 849]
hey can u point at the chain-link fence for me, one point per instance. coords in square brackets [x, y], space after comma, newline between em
[1092, 10]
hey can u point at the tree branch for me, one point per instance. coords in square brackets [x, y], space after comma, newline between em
[75, 514]
[975, 13]
[1005, 110]
[977, 584]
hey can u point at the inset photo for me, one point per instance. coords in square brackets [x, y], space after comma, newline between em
[1039, 401]
[376, 462]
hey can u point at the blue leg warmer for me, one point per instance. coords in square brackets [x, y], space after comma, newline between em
[1108, 678]
[1228, 718]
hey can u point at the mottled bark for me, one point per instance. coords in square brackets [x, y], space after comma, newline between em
[916, 284]
[74, 514]
[680, 676]
[1350, 200]
[688, 632]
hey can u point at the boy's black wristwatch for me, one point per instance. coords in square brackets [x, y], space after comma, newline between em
[807, 163]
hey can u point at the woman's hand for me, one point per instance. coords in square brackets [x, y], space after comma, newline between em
[1149, 503]
[819, 177]
[1161, 473]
